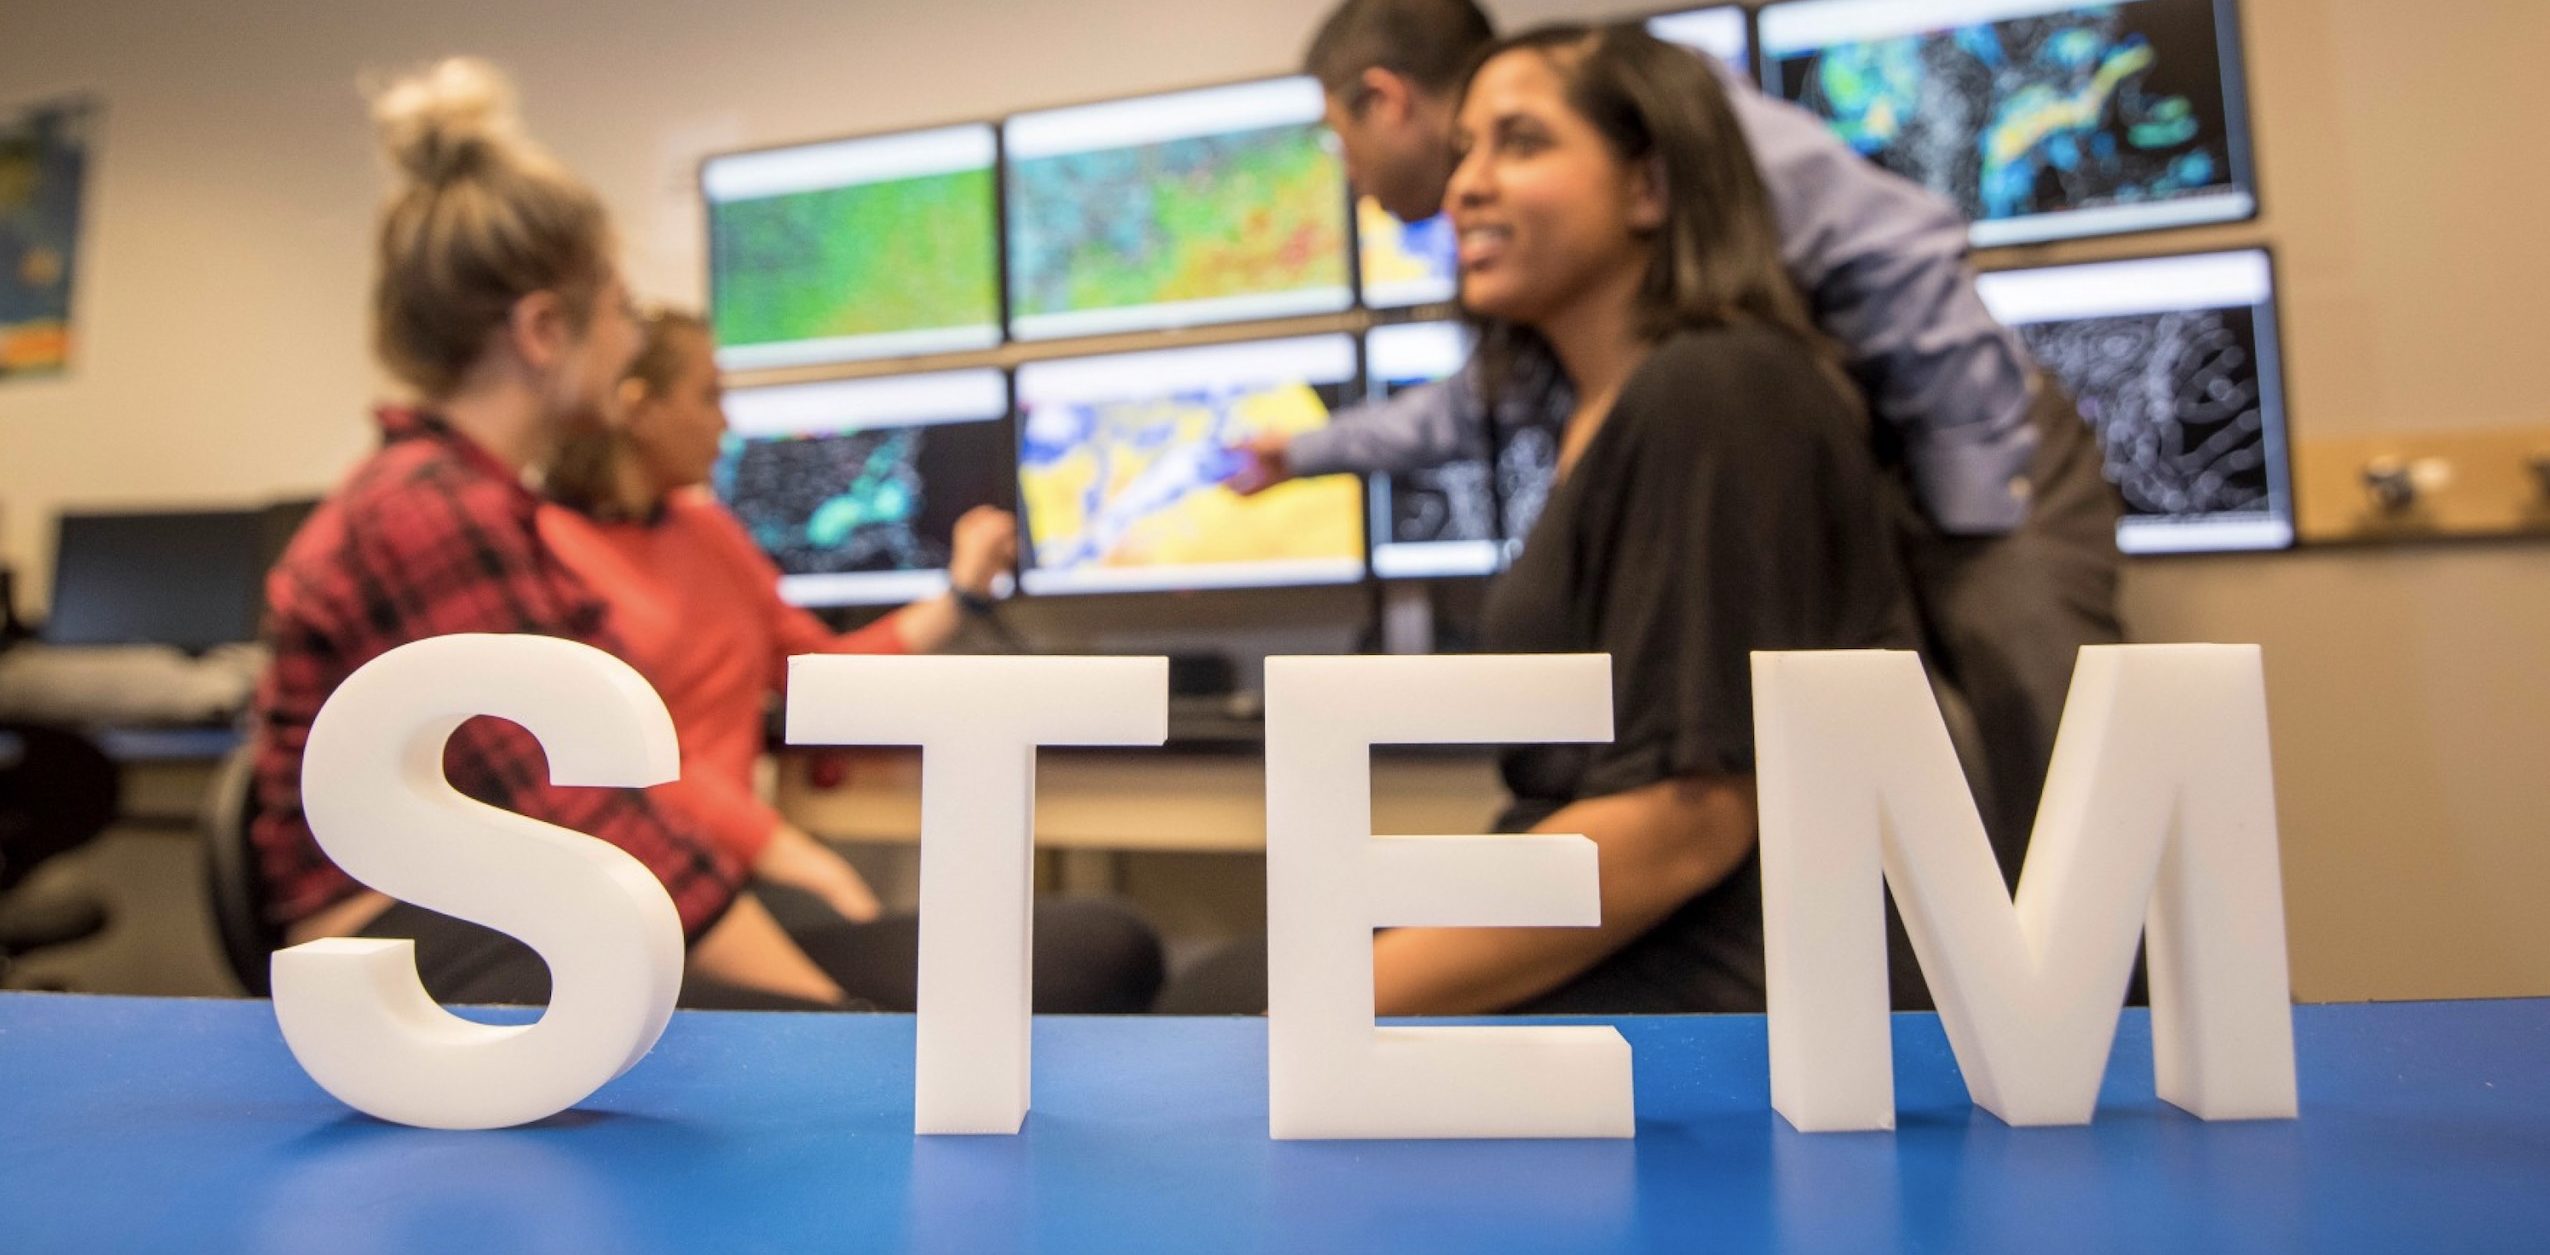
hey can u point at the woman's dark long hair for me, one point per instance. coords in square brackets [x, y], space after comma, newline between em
[1717, 255]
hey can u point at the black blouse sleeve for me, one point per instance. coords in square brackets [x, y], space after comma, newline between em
[1739, 509]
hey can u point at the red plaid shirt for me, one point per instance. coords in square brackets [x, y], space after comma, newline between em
[429, 537]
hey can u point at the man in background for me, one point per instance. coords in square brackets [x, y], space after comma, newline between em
[2013, 552]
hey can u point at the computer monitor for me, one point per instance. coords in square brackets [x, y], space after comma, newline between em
[2040, 119]
[1721, 30]
[2175, 362]
[853, 487]
[1217, 205]
[855, 249]
[1121, 462]
[1440, 520]
[192, 579]
[1404, 263]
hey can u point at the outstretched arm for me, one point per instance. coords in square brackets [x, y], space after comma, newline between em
[1883, 263]
[1658, 846]
[1420, 427]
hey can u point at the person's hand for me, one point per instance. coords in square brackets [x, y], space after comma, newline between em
[799, 861]
[985, 544]
[1262, 463]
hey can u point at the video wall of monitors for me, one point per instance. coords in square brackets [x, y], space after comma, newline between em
[2176, 363]
[1121, 461]
[859, 248]
[1217, 205]
[2039, 119]
[853, 487]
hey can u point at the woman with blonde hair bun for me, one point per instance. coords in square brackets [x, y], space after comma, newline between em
[497, 301]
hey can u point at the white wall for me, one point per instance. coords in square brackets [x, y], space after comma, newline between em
[221, 340]
[220, 320]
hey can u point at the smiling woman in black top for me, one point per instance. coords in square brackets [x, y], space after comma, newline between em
[1716, 496]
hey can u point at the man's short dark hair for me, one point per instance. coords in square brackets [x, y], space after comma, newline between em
[1427, 42]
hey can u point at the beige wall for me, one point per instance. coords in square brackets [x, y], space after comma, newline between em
[221, 342]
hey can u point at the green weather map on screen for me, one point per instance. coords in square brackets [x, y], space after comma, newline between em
[858, 249]
[1205, 206]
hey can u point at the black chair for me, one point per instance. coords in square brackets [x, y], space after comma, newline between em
[232, 884]
[58, 791]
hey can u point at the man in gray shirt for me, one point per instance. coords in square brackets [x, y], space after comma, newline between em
[2014, 560]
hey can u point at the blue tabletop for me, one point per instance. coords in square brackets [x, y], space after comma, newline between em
[143, 1124]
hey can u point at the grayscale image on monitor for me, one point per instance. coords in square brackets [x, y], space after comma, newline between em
[2175, 362]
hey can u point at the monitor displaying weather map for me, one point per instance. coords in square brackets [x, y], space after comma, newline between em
[2040, 120]
[854, 487]
[856, 249]
[1121, 461]
[1720, 30]
[2174, 361]
[1468, 515]
[1404, 263]
[1216, 205]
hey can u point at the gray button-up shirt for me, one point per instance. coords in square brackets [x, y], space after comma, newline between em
[1882, 262]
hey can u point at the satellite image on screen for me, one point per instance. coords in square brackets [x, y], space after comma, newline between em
[2175, 398]
[2090, 107]
[1138, 483]
[1404, 263]
[1454, 501]
[903, 255]
[1248, 213]
[1460, 517]
[872, 499]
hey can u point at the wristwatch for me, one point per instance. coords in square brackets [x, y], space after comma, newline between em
[972, 603]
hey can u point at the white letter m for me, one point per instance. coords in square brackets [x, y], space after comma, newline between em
[2158, 820]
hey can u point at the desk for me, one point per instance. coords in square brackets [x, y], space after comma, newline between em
[143, 1124]
[1143, 800]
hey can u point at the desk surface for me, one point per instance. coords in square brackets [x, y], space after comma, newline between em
[1143, 800]
[133, 1124]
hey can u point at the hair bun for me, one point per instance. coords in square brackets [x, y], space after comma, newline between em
[447, 121]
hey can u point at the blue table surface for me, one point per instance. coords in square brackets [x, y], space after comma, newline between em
[147, 1124]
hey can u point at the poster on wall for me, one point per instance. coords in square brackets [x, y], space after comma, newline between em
[44, 154]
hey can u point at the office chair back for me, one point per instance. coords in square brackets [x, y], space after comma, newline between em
[233, 886]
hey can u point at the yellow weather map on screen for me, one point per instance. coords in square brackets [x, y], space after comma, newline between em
[1138, 483]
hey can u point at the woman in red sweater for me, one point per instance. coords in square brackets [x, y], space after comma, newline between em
[696, 605]
[696, 609]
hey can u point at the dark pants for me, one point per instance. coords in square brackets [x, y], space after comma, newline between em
[2008, 615]
[1091, 958]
